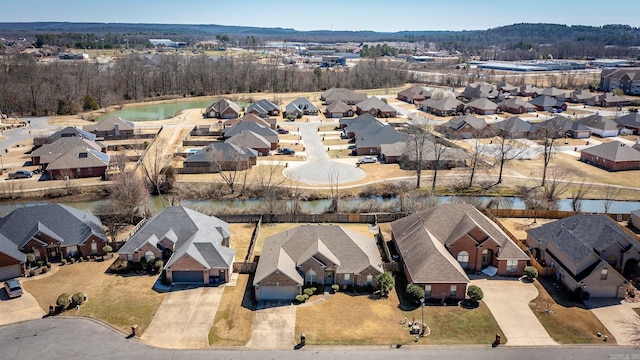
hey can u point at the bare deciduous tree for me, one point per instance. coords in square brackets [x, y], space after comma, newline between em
[578, 193]
[551, 132]
[334, 188]
[506, 150]
[610, 195]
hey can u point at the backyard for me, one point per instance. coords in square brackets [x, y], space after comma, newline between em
[233, 324]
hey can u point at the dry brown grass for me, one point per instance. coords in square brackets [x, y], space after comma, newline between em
[519, 226]
[240, 239]
[565, 321]
[233, 324]
[122, 301]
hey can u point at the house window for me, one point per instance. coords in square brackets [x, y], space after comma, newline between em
[463, 259]
[149, 256]
[90, 170]
[512, 265]
[369, 280]
[72, 251]
[130, 257]
[94, 248]
[453, 289]
[310, 277]
[427, 291]
[347, 279]
[603, 274]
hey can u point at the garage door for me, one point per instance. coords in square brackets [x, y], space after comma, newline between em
[9, 272]
[602, 291]
[278, 292]
[188, 277]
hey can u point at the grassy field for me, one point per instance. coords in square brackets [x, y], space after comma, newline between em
[121, 301]
[233, 323]
[240, 239]
[567, 322]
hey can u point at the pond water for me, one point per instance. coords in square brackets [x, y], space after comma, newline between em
[157, 203]
[159, 111]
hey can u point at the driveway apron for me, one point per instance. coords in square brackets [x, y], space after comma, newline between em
[18, 309]
[618, 317]
[508, 301]
[274, 328]
[184, 319]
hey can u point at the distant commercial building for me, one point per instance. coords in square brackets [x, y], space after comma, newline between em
[72, 56]
[548, 65]
[167, 43]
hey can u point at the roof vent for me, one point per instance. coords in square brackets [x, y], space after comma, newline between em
[82, 155]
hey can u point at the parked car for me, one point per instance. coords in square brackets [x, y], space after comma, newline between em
[286, 151]
[367, 160]
[282, 131]
[13, 288]
[20, 174]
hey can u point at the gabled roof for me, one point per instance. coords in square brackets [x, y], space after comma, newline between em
[374, 103]
[352, 251]
[546, 101]
[198, 236]
[415, 92]
[580, 235]
[516, 102]
[480, 90]
[631, 120]
[263, 106]
[79, 157]
[447, 103]
[529, 89]
[459, 121]
[562, 124]
[265, 131]
[219, 151]
[422, 236]
[614, 151]
[359, 123]
[338, 107]
[506, 87]
[553, 92]
[428, 152]
[346, 95]
[246, 118]
[514, 125]
[61, 222]
[376, 134]
[52, 151]
[248, 138]
[223, 104]
[71, 131]
[302, 105]
[597, 121]
[109, 124]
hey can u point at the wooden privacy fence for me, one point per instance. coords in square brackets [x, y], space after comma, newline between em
[547, 214]
[312, 218]
[245, 267]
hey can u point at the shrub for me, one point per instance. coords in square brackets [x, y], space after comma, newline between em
[314, 289]
[107, 249]
[385, 282]
[72, 260]
[335, 287]
[414, 293]
[308, 292]
[300, 298]
[32, 272]
[474, 293]
[40, 263]
[86, 258]
[63, 262]
[119, 267]
[531, 272]
[305, 297]
[44, 270]
[80, 259]
[48, 265]
[63, 301]
[158, 265]
[77, 299]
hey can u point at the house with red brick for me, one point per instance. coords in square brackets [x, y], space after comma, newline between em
[438, 246]
[78, 162]
[414, 94]
[612, 156]
[51, 232]
[315, 255]
[223, 109]
[195, 247]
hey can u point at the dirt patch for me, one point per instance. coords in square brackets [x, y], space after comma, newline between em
[519, 226]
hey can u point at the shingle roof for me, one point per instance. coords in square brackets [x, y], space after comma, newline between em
[553, 92]
[516, 102]
[58, 221]
[70, 131]
[301, 104]
[220, 151]
[597, 121]
[79, 157]
[514, 125]
[346, 95]
[480, 90]
[198, 235]
[285, 251]
[338, 107]
[222, 104]
[615, 151]
[459, 121]
[50, 152]
[246, 118]
[415, 91]
[447, 103]
[249, 139]
[631, 120]
[265, 131]
[546, 101]
[263, 106]
[374, 103]
[428, 152]
[109, 124]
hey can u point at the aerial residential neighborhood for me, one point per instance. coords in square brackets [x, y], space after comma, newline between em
[262, 191]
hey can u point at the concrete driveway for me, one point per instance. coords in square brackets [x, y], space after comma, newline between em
[274, 328]
[184, 319]
[618, 317]
[508, 301]
[18, 309]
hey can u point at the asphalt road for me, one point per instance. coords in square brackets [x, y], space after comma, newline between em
[77, 338]
[38, 126]
[319, 168]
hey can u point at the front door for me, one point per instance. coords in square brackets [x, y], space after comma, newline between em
[487, 256]
[53, 252]
[328, 277]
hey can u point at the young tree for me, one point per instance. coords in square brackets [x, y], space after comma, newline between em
[555, 187]
[610, 194]
[506, 150]
[385, 283]
[269, 183]
[551, 132]
[334, 188]
[578, 193]
[474, 293]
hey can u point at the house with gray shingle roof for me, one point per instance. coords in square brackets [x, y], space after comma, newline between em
[220, 156]
[480, 90]
[546, 103]
[514, 128]
[194, 246]
[448, 105]
[482, 106]
[630, 123]
[251, 140]
[49, 152]
[516, 105]
[376, 107]
[612, 156]
[78, 162]
[68, 131]
[414, 94]
[300, 107]
[369, 139]
[223, 109]
[264, 131]
[600, 125]
[588, 251]
[399, 153]
[439, 245]
[264, 108]
[465, 127]
[51, 232]
[347, 96]
[564, 126]
[268, 122]
[338, 109]
[315, 255]
[112, 127]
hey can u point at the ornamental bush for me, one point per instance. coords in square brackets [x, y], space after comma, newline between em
[63, 301]
[414, 293]
[531, 272]
[474, 293]
[77, 299]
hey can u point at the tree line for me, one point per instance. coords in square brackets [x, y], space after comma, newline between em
[29, 87]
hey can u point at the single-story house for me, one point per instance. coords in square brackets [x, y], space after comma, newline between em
[551, 92]
[607, 100]
[528, 90]
[505, 87]
[312, 255]
[480, 90]
[482, 106]
[437, 246]
[588, 251]
[561, 126]
[264, 131]
[513, 128]
[369, 138]
[612, 156]
[68, 131]
[546, 103]
[112, 127]
[443, 107]
[219, 156]
[350, 127]
[338, 109]
[347, 96]
[630, 123]
[195, 247]
[376, 107]
[600, 125]
[51, 232]
[465, 127]
[400, 152]
[49, 152]
[247, 118]
[223, 109]
[516, 105]
[581, 96]
[251, 140]
[263, 108]
[78, 162]
[414, 94]
[300, 107]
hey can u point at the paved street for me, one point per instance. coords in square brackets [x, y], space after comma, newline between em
[76, 338]
[319, 168]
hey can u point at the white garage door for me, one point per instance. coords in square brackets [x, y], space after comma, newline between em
[602, 291]
[9, 272]
[278, 292]
[192, 277]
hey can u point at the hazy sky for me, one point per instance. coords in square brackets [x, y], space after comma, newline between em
[374, 15]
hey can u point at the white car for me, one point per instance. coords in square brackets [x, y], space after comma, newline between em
[367, 160]
[13, 288]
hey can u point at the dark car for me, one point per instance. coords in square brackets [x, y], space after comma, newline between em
[20, 174]
[286, 151]
[282, 131]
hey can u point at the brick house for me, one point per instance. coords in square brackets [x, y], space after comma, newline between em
[51, 232]
[112, 127]
[315, 255]
[79, 162]
[612, 156]
[223, 109]
[194, 246]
